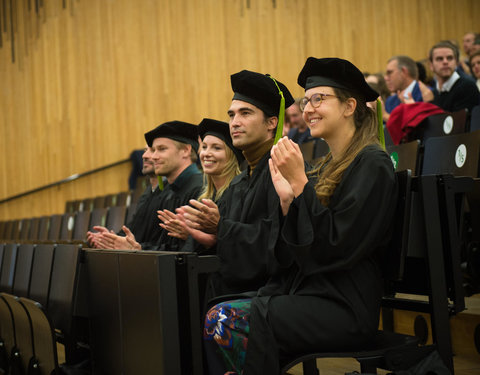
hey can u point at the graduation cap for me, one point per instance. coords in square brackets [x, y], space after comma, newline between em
[335, 72]
[264, 92]
[177, 130]
[220, 130]
[342, 74]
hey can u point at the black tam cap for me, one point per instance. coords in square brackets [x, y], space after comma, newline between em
[260, 90]
[335, 72]
[220, 130]
[177, 130]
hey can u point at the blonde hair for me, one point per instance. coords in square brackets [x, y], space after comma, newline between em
[330, 171]
[229, 172]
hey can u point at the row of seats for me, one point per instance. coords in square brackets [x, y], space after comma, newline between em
[67, 227]
[109, 200]
[38, 288]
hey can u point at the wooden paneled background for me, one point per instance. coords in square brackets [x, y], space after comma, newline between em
[82, 80]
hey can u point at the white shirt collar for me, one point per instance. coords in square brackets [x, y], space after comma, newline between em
[409, 89]
[449, 83]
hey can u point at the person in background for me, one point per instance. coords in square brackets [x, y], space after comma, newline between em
[452, 92]
[299, 133]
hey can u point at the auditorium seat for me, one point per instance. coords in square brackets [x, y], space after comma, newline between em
[405, 156]
[455, 154]
[307, 151]
[54, 228]
[98, 217]
[81, 226]
[141, 185]
[41, 270]
[7, 235]
[441, 124]
[24, 232]
[130, 212]
[23, 270]
[20, 359]
[8, 267]
[44, 347]
[116, 218]
[66, 229]
[7, 336]
[475, 119]
[72, 206]
[86, 204]
[43, 228]
[99, 202]
[34, 228]
[2, 229]
[16, 228]
[62, 294]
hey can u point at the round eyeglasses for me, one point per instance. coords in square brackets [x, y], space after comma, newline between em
[315, 100]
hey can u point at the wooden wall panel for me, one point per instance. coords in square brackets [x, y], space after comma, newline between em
[89, 79]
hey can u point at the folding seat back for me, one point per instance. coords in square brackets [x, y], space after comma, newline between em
[8, 268]
[442, 124]
[23, 335]
[26, 224]
[475, 119]
[63, 286]
[41, 273]
[66, 229]
[43, 227]
[458, 155]
[54, 228]
[7, 235]
[45, 357]
[98, 217]
[116, 218]
[321, 149]
[405, 156]
[123, 199]
[7, 336]
[16, 229]
[99, 202]
[307, 151]
[23, 270]
[86, 205]
[34, 228]
[2, 229]
[81, 226]
[130, 212]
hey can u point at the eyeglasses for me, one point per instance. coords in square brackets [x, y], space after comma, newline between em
[315, 100]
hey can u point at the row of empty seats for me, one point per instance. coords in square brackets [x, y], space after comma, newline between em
[38, 285]
[67, 227]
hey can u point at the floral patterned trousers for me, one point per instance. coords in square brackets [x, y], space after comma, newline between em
[225, 336]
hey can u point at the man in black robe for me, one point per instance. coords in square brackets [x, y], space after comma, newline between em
[140, 224]
[174, 145]
[248, 226]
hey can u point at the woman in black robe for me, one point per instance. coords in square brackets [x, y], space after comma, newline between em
[336, 223]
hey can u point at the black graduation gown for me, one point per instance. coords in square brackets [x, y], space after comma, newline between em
[327, 296]
[185, 187]
[247, 231]
[142, 225]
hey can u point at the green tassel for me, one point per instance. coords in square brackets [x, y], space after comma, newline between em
[281, 113]
[381, 135]
[160, 183]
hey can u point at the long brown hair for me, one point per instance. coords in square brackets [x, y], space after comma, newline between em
[229, 172]
[330, 171]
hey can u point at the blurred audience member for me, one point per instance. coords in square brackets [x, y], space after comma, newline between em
[475, 64]
[452, 91]
[401, 78]
[377, 82]
[299, 132]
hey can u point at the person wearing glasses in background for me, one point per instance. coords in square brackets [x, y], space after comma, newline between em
[336, 222]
